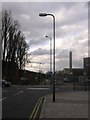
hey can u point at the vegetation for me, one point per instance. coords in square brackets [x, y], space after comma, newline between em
[14, 46]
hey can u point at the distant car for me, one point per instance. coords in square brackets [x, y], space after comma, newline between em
[6, 83]
[66, 80]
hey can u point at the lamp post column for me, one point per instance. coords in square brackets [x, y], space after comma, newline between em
[53, 58]
[50, 62]
[43, 15]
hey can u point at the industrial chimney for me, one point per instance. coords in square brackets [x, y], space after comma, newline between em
[70, 60]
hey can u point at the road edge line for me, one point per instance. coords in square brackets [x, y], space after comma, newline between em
[38, 107]
[31, 116]
[44, 101]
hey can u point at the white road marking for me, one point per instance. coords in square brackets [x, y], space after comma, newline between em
[18, 93]
[38, 88]
[3, 99]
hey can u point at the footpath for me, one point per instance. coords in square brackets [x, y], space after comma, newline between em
[72, 104]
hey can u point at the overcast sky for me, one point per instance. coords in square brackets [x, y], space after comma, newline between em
[71, 31]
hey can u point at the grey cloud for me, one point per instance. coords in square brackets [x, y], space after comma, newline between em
[40, 51]
[78, 63]
[27, 7]
[89, 47]
[33, 9]
[62, 63]
[80, 43]
[41, 41]
[74, 14]
[62, 54]
[38, 25]
[65, 30]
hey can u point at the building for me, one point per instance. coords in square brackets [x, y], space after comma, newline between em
[27, 77]
[73, 71]
[73, 74]
[11, 73]
[87, 66]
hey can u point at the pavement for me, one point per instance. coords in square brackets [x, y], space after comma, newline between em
[72, 104]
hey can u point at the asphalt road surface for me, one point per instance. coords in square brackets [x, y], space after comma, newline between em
[19, 101]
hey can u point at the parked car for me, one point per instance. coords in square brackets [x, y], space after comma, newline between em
[6, 83]
[66, 80]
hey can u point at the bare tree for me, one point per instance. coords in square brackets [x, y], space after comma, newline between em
[6, 23]
[14, 46]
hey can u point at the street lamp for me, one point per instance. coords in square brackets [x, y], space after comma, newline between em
[50, 58]
[44, 15]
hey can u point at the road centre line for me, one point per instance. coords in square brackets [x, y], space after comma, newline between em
[3, 99]
[18, 93]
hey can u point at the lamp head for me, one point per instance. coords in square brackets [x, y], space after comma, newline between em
[46, 36]
[42, 14]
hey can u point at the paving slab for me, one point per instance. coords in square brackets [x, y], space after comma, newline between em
[66, 105]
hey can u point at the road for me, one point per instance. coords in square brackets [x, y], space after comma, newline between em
[19, 101]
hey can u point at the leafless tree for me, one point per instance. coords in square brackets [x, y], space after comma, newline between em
[14, 46]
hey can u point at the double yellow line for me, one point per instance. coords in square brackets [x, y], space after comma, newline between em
[36, 108]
